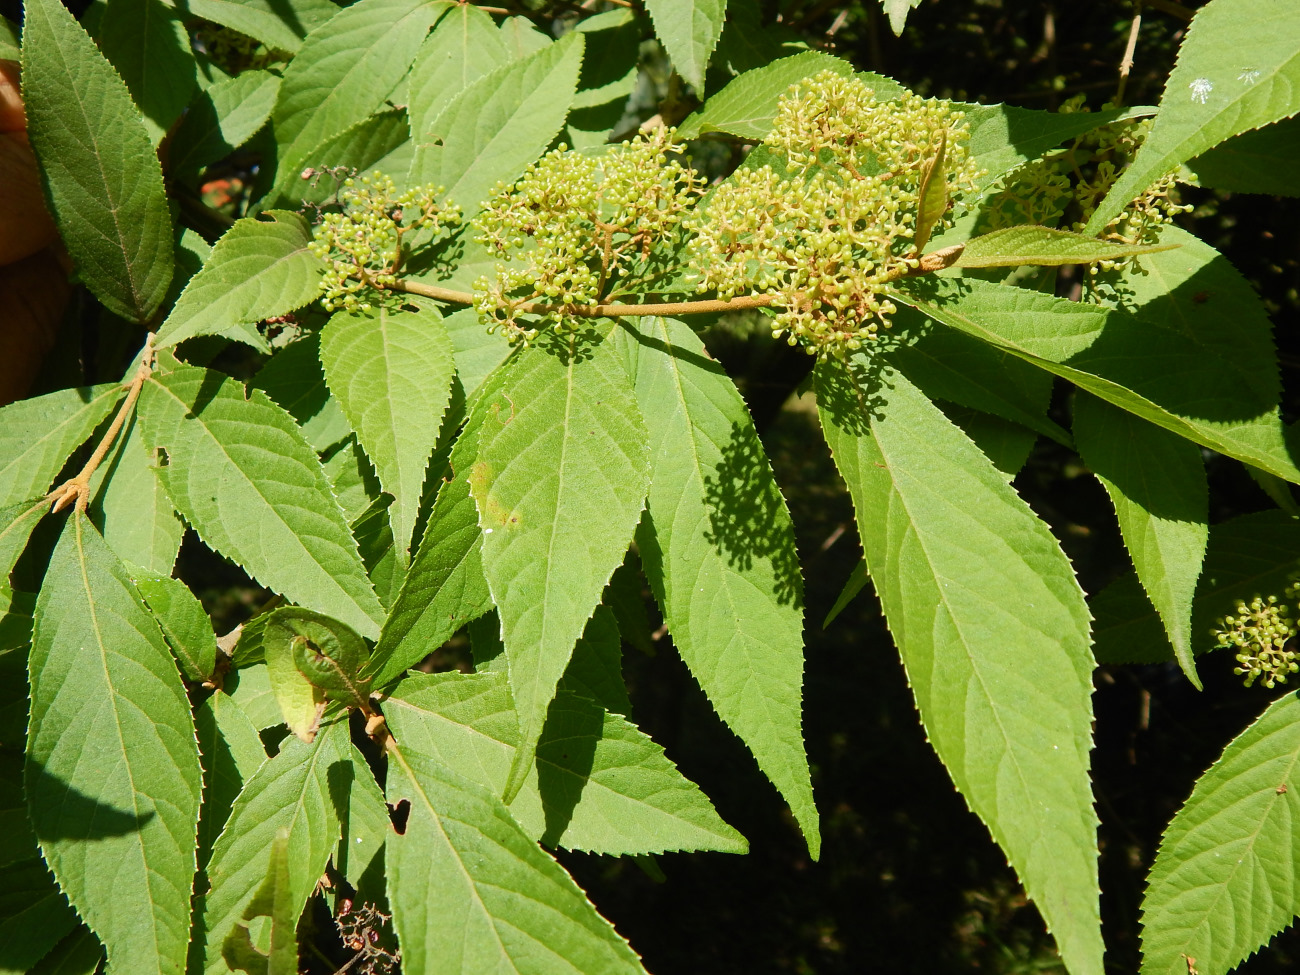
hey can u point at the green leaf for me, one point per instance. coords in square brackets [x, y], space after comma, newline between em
[522, 38]
[1157, 483]
[325, 652]
[1216, 379]
[1224, 881]
[302, 790]
[379, 142]
[718, 549]
[232, 753]
[365, 825]
[273, 900]
[1251, 555]
[445, 588]
[992, 629]
[10, 46]
[346, 69]
[258, 269]
[599, 784]
[374, 535]
[498, 125]
[1238, 68]
[250, 688]
[857, 581]
[504, 905]
[113, 777]
[596, 669]
[15, 633]
[17, 522]
[898, 11]
[391, 372]
[131, 509]
[37, 435]
[932, 195]
[245, 480]
[1253, 162]
[689, 31]
[1014, 246]
[462, 48]
[1007, 445]
[101, 173]
[949, 365]
[293, 378]
[747, 105]
[80, 953]
[477, 351]
[34, 915]
[149, 46]
[560, 480]
[302, 703]
[279, 24]
[181, 617]
[221, 119]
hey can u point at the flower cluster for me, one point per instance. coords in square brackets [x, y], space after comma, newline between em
[1043, 192]
[831, 215]
[361, 244]
[1260, 631]
[580, 228]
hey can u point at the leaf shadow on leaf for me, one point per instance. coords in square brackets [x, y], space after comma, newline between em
[850, 390]
[565, 759]
[281, 8]
[745, 507]
[79, 817]
[570, 347]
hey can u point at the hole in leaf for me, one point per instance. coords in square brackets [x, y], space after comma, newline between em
[399, 814]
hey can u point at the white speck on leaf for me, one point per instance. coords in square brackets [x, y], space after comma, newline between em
[1248, 76]
[1201, 88]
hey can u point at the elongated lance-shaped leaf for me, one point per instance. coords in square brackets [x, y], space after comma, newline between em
[348, 66]
[445, 588]
[464, 47]
[302, 790]
[503, 906]
[258, 269]
[244, 478]
[1225, 879]
[1014, 246]
[131, 509]
[37, 435]
[560, 480]
[391, 371]
[689, 31]
[275, 23]
[274, 901]
[718, 549]
[181, 617]
[1216, 382]
[1157, 483]
[932, 195]
[600, 784]
[113, 778]
[149, 46]
[1238, 68]
[494, 128]
[103, 177]
[1247, 556]
[232, 753]
[221, 119]
[992, 629]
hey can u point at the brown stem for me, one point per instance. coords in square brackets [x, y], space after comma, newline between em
[78, 489]
[593, 311]
[1126, 65]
